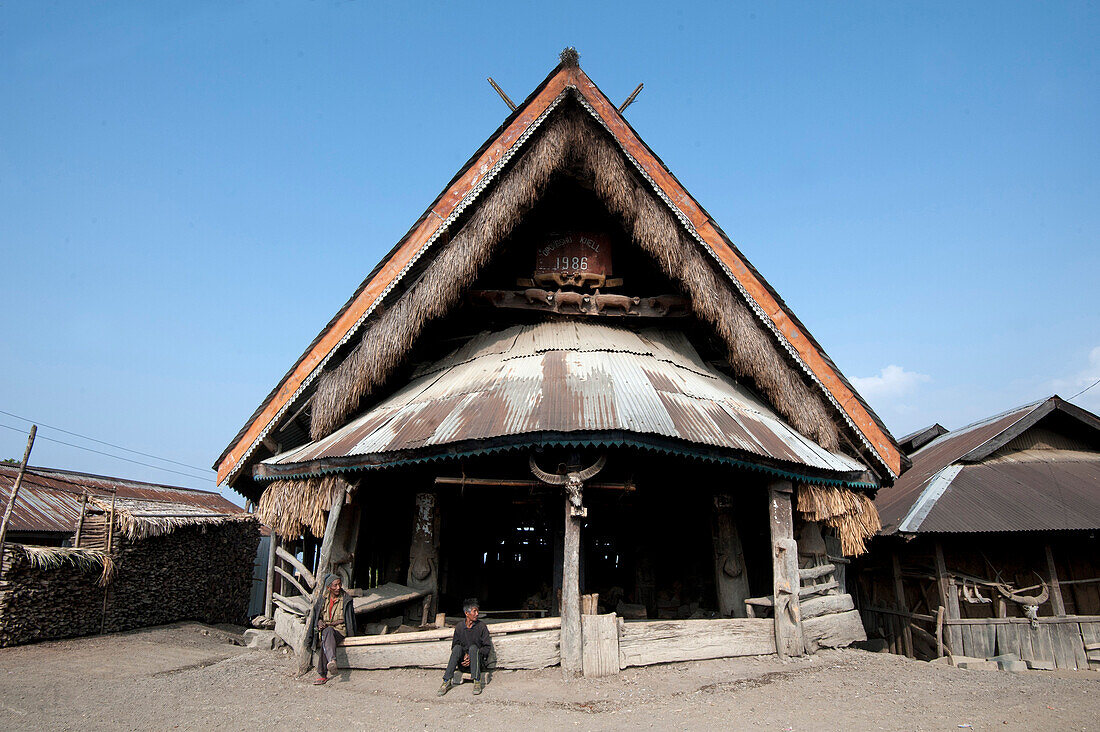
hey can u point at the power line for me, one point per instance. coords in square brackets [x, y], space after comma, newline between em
[108, 444]
[1084, 390]
[107, 454]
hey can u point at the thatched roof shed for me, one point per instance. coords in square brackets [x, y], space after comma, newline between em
[48, 507]
[124, 554]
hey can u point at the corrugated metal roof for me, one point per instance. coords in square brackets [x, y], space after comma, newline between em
[572, 376]
[49, 500]
[957, 485]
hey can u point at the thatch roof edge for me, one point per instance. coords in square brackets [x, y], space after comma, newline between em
[52, 557]
[136, 526]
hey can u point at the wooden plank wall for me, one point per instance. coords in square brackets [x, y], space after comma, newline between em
[1061, 644]
[1090, 633]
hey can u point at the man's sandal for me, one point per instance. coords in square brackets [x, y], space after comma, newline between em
[320, 680]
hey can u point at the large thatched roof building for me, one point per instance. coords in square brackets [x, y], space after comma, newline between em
[565, 302]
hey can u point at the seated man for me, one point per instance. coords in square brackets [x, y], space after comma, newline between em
[333, 620]
[470, 647]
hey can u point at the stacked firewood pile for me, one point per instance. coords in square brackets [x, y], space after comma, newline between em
[201, 573]
[48, 599]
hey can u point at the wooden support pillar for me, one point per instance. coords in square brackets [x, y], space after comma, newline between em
[323, 560]
[899, 594]
[110, 552]
[730, 579]
[939, 632]
[785, 580]
[80, 521]
[949, 599]
[305, 656]
[571, 660]
[1055, 587]
[575, 512]
[423, 571]
[269, 587]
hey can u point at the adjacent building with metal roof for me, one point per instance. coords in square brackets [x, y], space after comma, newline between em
[48, 506]
[1033, 468]
[991, 537]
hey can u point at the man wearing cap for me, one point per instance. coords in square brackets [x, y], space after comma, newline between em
[333, 620]
[469, 647]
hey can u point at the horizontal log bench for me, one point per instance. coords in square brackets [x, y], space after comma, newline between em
[420, 636]
[520, 644]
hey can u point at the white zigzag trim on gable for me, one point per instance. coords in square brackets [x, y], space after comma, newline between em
[468, 199]
[749, 299]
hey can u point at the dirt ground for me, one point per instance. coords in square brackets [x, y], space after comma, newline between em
[190, 676]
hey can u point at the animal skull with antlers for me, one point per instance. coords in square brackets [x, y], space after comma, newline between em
[573, 480]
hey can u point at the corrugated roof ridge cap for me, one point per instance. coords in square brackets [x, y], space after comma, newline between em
[929, 496]
[1023, 410]
[921, 431]
[71, 474]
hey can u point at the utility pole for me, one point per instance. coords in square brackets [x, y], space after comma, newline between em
[15, 489]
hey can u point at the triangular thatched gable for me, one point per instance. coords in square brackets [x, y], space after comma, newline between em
[566, 123]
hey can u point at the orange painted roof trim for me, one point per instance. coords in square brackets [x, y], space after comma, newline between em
[467, 183]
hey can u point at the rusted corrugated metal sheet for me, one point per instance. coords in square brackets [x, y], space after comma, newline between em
[1019, 497]
[49, 500]
[957, 485]
[572, 376]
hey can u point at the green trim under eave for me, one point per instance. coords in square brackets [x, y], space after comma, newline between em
[681, 452]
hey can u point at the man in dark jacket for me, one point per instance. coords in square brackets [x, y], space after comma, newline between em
[333, 619]
[470, 647]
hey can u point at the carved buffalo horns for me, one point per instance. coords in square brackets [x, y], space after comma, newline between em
[578, 475]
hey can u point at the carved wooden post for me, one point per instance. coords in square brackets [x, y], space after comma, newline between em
[573, 480]
[570, 590]
[785, 581]
[423, 572]
[729, 561]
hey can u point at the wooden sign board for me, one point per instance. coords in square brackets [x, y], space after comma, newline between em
[575, 258]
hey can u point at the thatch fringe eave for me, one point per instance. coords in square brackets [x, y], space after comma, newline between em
[135, 525]
[53, 557]
[853, 515]
[292, 507]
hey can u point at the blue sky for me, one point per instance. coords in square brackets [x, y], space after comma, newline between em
[189, 191]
